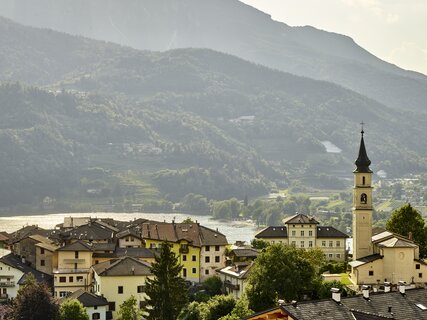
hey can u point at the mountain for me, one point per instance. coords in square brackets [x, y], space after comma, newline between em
[232, 27]
[116, 120]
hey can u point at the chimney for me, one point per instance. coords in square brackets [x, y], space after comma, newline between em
[365, 292]
[294, 303]
[410, 237]
[387, 287]
[336, 295]
[402, 287]
[281, 302]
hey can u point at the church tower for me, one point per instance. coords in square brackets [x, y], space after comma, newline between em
[362, 205]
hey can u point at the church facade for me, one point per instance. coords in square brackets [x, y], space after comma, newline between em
[383, 257]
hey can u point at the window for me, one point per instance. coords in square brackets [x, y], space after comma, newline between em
[184, 272]
[293, 243]
[420, 275]
[338, 255]
[272, 241]
[96, 316]
[42, 263]
[120, 289]
[41, 250]
[217, 259]
[79, 279]
[310, 233]
[330, 256]
[417, 266]
[70, 279]
[62, 279]
[142, 304]
[310, 244]
[76, 254]
[95, 307]
[193, 258]
[302, 244]
[207, 259]
[371, 272]
[331, 243]
[75, 265]
[127, 239]
[184, 257]
[338, 244]
[152, 246]
[207, 272]
[62, 294]
[112, 306]
[96, 261]
[208, 248]
[363, 198]
[193, 270]
[323, 243]
[216, 248]
[302, 233]
[294, 233]
[140, 289]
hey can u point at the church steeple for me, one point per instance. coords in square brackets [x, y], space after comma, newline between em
[362, 162]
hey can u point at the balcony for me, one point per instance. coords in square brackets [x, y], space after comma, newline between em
[70, 270]
[230, 286]
[7, 284]
[72, 261]
[184, 249]
[3, 296]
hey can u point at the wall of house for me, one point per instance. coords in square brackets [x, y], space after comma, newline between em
[302, 235]
[49, 260]
[334, 248]
[399, 265]
[234, 281]
[102, 310]
[68, 259]
[66, 282]
[9, 278]
[211, 258]
[361, 274]
[276, 240]
[130, 242]
[28, 250]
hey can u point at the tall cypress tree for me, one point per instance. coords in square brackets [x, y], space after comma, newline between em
[167, 292]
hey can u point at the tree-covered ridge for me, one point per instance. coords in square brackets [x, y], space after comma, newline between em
[179, 122]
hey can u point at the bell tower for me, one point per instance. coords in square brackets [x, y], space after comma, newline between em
[362, 204]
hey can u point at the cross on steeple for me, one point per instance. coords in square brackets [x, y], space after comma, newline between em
[362, 124]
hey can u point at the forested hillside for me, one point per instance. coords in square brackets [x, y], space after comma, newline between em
[232, 27]
[113, 121]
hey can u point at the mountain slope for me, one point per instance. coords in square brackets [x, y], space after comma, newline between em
[191, 120]
[232, 27]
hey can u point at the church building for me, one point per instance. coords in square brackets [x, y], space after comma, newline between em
[384, 257]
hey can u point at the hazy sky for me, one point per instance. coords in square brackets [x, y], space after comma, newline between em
[393, 30]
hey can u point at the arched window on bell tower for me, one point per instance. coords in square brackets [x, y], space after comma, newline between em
[363, 198]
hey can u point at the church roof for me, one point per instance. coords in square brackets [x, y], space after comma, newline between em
[362, 162]
[364, 260]
[300, 219]
[397, 243]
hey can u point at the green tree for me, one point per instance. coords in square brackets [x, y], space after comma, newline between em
[240, 311]
[323, 289]
[128, 310]
[217, 307]
[213, 286]
[407, 219]
[34, 302]
[72, 309]
[259, 244]
[167, 292]
[280, 272]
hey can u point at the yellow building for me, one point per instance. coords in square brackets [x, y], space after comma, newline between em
[302, 231]
[73, 269]
[200, 250]
[118, 279]
[383, 257]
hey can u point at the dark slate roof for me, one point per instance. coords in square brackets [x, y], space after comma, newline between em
[88, 299]
[16, 262]
[90, 231]
[27, 231]
[194, 233]
[129, 232]
[330, 232]
[244, 252]
[301, 219]
[135, 252]
[402, 306]
[362, 162]
[273, 232]
[360, 315]
[318, 310]
[76, 246]
[371, 258]
[126, 266]
[103, 246]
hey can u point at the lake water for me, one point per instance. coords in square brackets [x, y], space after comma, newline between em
[233, 230]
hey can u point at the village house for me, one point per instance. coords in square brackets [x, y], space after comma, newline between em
[118, 279]
[96, 306]
[302, 231]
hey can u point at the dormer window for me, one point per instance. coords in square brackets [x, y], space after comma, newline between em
[363, 198]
